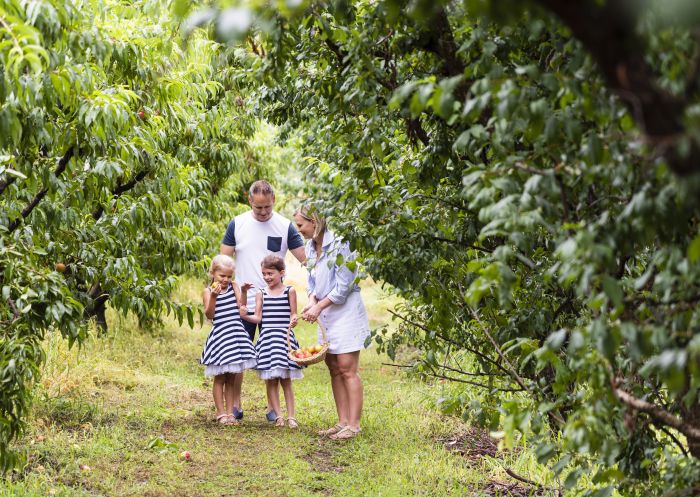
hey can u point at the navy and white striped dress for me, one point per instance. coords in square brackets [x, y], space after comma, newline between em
[271, 346]
[228, 348]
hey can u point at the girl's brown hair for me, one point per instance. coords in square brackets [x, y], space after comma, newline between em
[273, 262]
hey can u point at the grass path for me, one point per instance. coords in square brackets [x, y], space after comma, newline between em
[112, 419]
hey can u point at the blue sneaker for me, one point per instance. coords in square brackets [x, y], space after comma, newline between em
[271, 416]
[237, 413]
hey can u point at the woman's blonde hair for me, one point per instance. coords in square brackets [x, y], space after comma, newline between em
[310, 213]
[221, 260]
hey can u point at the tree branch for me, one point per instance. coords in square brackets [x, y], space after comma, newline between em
[15, 311]
[670, 435]
[657, 413]
[119, 190]
[511, 369]
[448, 340]
[522, 479]
[62, 163]
[608, 31]
[457, 242]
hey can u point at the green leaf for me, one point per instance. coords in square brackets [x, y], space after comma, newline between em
[694, 250]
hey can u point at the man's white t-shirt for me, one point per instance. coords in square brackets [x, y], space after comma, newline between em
[254, 240]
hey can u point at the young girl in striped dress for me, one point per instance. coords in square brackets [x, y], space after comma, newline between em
[228, 350]
[276, 310]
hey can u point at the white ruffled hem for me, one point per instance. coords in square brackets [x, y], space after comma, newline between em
[271, 374]
[236, 367]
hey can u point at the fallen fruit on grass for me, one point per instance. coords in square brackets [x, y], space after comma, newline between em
[60, 267]
[141, 114]
[84, 467]
[185, 455]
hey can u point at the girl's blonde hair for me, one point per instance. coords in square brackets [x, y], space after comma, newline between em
[221, 260]
[310, 213]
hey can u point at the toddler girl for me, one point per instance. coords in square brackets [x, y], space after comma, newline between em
[228, 350]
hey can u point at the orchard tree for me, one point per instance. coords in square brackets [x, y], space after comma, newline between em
[516, 178]
[117, 141]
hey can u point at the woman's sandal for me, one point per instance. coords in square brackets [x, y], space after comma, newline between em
[279, 421]
[292, 423]
[345, 433]
[331, 431]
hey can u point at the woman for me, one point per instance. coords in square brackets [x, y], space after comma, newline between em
[334, 300]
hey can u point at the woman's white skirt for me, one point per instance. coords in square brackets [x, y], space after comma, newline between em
[347, 325]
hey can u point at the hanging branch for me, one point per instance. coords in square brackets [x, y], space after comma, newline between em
[433, 374]
[511, 370]
[62, 164]
[119, 190]
[448, 340]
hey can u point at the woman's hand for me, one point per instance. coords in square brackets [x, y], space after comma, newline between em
[309, 305]
[293, 320]
[247, 285]
[311, 314]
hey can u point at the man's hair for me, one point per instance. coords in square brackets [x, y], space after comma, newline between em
[261, 187]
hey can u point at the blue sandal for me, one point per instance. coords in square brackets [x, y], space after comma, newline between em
[237, 413]
[271, 416]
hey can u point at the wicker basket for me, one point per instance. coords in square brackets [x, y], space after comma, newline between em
[317, 357]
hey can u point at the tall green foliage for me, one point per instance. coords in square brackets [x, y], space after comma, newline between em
[516, 191]
[115, 142]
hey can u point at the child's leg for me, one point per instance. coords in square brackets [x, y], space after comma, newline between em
[237, 385]
[229, 389]
[273, 395]
[288, 396]
[218, 392]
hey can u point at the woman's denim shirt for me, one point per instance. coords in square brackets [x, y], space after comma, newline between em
[326, 278]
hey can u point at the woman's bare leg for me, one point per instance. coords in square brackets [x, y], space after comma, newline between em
[347, 365]
[339, 391]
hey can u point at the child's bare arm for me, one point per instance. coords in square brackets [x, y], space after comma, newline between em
[257, 317]
[209, 299]
[293, 318]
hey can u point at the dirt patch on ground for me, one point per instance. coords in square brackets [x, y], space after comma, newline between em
[472, 443]
[505, 489]
[475, 443]
[321, 458]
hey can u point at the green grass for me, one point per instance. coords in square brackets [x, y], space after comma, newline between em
[111, 419]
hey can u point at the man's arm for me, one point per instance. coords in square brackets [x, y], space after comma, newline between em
[295, 243]
[228, 244]
[227, 249]
[298, 252]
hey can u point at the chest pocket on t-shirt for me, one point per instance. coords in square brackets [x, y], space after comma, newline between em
[274, 243]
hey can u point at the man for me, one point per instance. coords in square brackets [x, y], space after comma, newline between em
[251, 236]
[255, 234]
